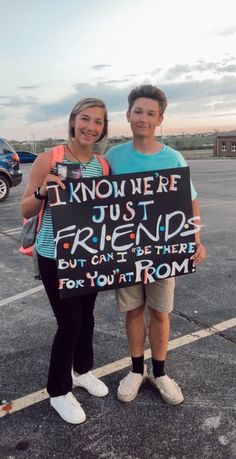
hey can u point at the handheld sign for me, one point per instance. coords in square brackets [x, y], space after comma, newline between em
[117, 231]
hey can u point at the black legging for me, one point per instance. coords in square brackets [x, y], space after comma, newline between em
[73, 342]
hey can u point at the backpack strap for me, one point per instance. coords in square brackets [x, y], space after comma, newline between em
[104, 164]
[57, 156]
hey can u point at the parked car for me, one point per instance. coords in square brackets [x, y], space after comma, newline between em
[26, 156]
[10, 174]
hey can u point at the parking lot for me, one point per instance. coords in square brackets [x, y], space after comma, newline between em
[201, 357]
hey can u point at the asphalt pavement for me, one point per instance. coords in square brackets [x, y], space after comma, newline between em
[202, 362]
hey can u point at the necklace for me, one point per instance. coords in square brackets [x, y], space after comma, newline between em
[83, 165]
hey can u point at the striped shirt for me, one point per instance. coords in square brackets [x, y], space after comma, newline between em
[45, 244]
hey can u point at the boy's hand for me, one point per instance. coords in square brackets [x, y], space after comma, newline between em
[199, 255]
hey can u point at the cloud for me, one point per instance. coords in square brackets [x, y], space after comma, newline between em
[155, 71]
[186, 97]
[228, 58]
[201, 99]
[115, 99]
[177, 71]
[203, 66]
[224, 114]
[180, 70]
[184, 70]
[227, 30]
[131, 75]
[116, 81]
[227, 68]
[202, 90]
[29, 87]
[222, 66]
[17, 101]
[51, 111]
[100, 66]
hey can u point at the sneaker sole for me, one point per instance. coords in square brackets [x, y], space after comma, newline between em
[126, 399]
[91, 393]
[167, 400]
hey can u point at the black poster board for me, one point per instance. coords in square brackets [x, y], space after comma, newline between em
[116, 231]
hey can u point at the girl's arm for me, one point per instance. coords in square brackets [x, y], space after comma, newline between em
[38, 178]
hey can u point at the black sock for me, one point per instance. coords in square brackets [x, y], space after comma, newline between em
[138, 364]
[158, 368]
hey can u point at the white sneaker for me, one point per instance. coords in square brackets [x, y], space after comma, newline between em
[130, 385]
[68, 408]
[168, 388]
[92, 384]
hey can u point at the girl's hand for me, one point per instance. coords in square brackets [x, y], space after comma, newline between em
[50, 178]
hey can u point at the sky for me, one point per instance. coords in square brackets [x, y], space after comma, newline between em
[53, 53]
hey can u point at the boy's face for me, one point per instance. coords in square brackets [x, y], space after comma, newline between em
[144, 117]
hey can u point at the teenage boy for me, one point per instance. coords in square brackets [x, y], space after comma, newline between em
[147, 104]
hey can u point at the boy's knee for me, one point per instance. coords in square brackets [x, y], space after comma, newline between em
[158, 316]
[135, 313]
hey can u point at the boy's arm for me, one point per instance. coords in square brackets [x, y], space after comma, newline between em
[200, 253]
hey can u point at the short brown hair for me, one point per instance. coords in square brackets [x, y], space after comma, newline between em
[150, 92]
[83, 104]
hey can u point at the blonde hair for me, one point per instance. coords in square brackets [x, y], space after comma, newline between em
[83, 104]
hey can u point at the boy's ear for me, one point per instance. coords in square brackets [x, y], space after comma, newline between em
[128, 116]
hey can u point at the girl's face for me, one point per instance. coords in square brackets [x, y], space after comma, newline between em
[89, 125]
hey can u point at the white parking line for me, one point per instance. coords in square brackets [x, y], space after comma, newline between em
[218, 203]
[18, 296]
[10, 231]
[36, 397]
[10, 204]
[18, 228]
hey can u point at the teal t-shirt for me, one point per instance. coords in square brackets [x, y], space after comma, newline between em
[124, 159]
